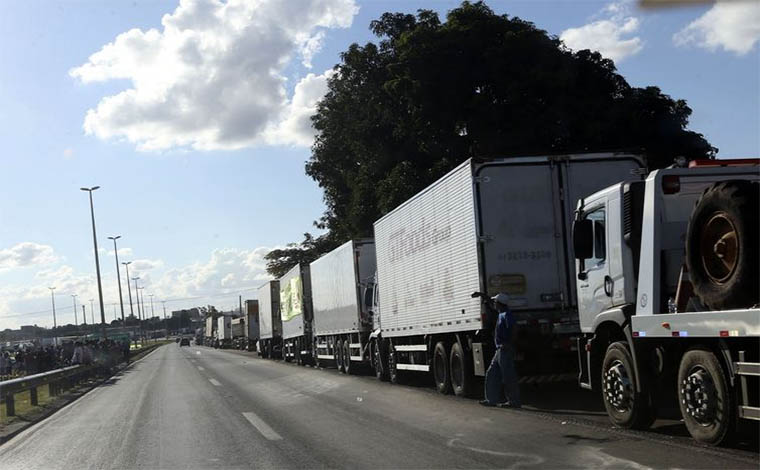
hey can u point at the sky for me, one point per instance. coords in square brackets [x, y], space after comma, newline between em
[193, 118]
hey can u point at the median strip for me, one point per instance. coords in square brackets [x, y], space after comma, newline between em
[261, 426]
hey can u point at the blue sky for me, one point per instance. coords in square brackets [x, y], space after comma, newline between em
[199, 201]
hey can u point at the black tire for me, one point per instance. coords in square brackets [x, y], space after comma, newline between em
[393, 372]
[380, 360]
[625, 406]
[348, 368]
[338, 352]
[297, 352]
[722, 251]
[441, 374]
[460, 367]
[705, 400]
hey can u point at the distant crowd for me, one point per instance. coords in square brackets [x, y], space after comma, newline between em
[35, 359]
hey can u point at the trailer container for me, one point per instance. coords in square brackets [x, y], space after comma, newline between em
[296, 315]
[493, 226]
[270, 323]
[342, 320]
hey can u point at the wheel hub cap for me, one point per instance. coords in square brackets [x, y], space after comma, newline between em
[617, 387]
[719, 248]
[698, 396]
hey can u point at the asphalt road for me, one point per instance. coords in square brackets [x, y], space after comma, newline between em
[195, 407]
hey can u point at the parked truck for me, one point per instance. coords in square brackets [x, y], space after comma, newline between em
[342, 319]
[237, 330]
[296, 315]
[667, 289]
[501, 225]
[210, 331]
[252, 324]
[224, 331]
[270, 323]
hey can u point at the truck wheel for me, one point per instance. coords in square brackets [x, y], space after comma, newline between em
[393, 372]
[317, 361]
[347, 368]
[460, 366]
[722, 252]
[625, 406]
[338, 352]
[703, 395]
[380, 361]
[297, 352]
[441, 373]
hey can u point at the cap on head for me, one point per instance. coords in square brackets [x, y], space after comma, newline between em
[501, 298]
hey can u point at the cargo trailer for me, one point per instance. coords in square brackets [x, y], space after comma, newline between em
[500, 225]
[296, 315]
[270, 323]
[342, 320]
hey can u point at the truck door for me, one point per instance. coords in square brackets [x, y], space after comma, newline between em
[594, 282]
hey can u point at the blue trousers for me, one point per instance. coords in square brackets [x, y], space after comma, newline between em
[500, 373]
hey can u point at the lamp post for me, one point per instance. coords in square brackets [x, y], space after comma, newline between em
[74, 296]
[118, 275]
[52, 298]
[141, 303]
[92, 311]
[129, 289]
[97, 261]
[166, 322]
[139, 313]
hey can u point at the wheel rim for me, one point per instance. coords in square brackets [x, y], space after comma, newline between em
[618, 387]
[699, 397]
[392, 363]
[719, 248]
[346, 356]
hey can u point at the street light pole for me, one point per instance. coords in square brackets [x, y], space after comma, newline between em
[139, 313]
[166, 321]
[97, 261]
[141, 303]
[74, 296]
[152, 312]
[92, 311]
[118, 276]
[129, 289]
[52, 298]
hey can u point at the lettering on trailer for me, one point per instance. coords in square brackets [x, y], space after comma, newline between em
[416, 241]
[533, 255]
[290, 299]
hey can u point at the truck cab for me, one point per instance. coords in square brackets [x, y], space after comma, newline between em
[667, 272]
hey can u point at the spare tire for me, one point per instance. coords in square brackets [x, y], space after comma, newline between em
[722, 252]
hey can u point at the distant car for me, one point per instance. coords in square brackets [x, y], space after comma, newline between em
[184, 342]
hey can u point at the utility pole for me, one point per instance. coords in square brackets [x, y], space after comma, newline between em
[166, 321]
[52, 297]
[97, 262]
[118, 275]
[84, 315]
[92, 311]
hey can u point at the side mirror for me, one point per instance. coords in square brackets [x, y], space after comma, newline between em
[583, 239]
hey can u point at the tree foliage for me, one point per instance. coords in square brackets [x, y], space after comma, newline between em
[400, 114]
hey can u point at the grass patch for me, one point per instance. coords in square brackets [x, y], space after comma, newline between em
[24, 404]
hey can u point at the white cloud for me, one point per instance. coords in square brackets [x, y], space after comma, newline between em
[295, 128]
[734, 27]
[612, 36]
[226, 270]
[68, 153]
[27, 254]
[212, 78]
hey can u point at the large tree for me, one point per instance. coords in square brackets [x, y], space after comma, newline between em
[401, 113]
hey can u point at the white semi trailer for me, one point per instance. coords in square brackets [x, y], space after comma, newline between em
[668, 297]
[342, 319]
[270, 324]
[492, 226]
[296, 315]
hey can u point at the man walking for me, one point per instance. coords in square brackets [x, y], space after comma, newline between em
[502, 372]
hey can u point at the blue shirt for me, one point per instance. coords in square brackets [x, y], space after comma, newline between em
[504, 326]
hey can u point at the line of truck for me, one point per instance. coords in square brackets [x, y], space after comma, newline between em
[642, 285]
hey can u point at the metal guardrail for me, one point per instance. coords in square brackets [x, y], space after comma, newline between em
[57, 381]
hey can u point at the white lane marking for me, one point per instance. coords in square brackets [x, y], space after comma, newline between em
[201, 368]
[198, 353]
[262, 427]
[215, 382]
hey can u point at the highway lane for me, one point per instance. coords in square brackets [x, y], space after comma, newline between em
[202, 408]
